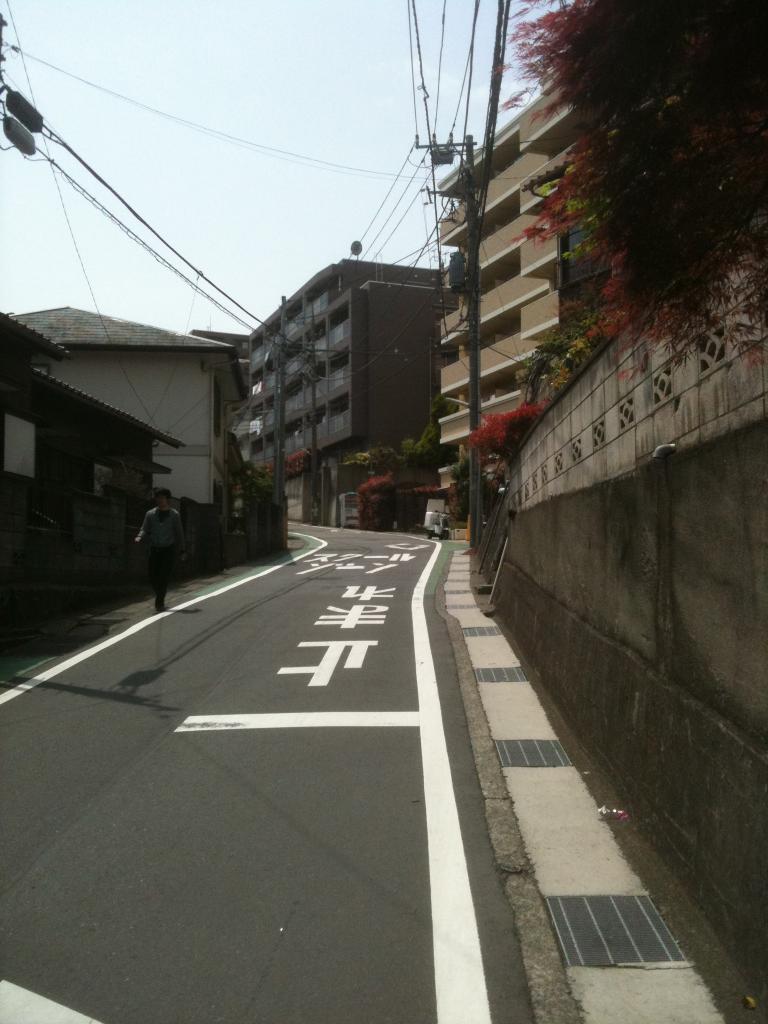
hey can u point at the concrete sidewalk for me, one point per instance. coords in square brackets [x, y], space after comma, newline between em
[621, 962]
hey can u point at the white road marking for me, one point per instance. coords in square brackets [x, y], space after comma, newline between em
[357, 615]
[20, 1006]
[459, 977]
[50, 673]
[302, 720]
[321, 674]
[368, 593]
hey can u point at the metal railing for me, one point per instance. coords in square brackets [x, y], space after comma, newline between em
[338, 333]
[338, 422]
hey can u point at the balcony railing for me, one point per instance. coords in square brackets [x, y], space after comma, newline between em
[318, 305]
[580, 268]
[456, 321]
[339, 333]
[338, 423]
[338, 378]
[295, 402]
[294, 441]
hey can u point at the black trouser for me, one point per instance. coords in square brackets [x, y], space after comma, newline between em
[160, 565]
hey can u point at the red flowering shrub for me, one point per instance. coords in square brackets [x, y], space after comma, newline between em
[500, 433]
[297, 463]
[376, 503]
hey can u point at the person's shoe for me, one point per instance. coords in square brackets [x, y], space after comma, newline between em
[159, 606]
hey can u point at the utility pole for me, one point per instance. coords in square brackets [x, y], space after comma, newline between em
[310, 372]
[278, 495]
[473, 333]
[315, 497]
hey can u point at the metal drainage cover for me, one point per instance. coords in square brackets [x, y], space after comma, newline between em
[511, 674]
[482, 631]
[532, 754]
[607, 931]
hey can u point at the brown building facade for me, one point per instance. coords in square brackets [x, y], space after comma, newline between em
[366, 333]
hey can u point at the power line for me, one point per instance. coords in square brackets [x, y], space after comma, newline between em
[386, 197]
[413, 74]
[56, 138]
[284, 154]
[470, 62]
[440, 62]
[431, 140]
[392, 211]
[72, 234]
[145, 245]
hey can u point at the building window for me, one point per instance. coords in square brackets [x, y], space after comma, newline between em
[18, 446]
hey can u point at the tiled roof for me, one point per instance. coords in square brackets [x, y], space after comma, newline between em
[79, 328]
[32, 337]
[41, 377]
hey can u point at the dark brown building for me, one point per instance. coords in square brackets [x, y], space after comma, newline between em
[366, 331]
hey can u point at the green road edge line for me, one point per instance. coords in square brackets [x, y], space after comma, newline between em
[448, 547]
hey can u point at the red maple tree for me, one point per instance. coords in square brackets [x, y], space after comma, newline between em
[500, 434]
[669, 175]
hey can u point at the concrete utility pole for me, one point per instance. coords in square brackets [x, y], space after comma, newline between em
[278, 494]
[473, 333]
[310, 370]
[315, 496]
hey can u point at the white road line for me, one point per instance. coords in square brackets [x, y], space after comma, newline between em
[50, 673]
[302, 720]
[459, 977]
[19, 1006]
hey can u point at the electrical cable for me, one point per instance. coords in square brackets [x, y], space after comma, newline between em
[431, 139]
[145, 245]
[405, 214]
[413, 74]
[389, 193]
[284, 154]
[440, 63]
[56, 138]
[72, 234]
[471, 69]
[394, 208]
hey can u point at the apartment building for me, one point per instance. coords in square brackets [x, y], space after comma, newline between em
[366, 331]
[519, 278]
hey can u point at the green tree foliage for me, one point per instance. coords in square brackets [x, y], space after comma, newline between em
[458, 497]
[252, 484]
[379, 459]
[428, 452]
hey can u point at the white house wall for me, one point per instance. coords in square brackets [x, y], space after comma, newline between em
[176, 397]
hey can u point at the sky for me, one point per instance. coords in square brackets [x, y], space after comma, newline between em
[326, 79]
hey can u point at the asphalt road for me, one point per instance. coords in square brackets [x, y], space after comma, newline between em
[194, 835]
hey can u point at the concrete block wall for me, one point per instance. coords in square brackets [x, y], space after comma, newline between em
[13, 524]
[636, 592]
[624, 404]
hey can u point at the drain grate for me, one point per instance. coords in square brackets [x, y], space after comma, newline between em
[607, 931]
[511, 674]
[532, 754]
[482, 631]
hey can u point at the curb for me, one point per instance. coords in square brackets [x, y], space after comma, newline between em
[551, 998]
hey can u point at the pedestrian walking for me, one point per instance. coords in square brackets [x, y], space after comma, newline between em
[162, 529]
